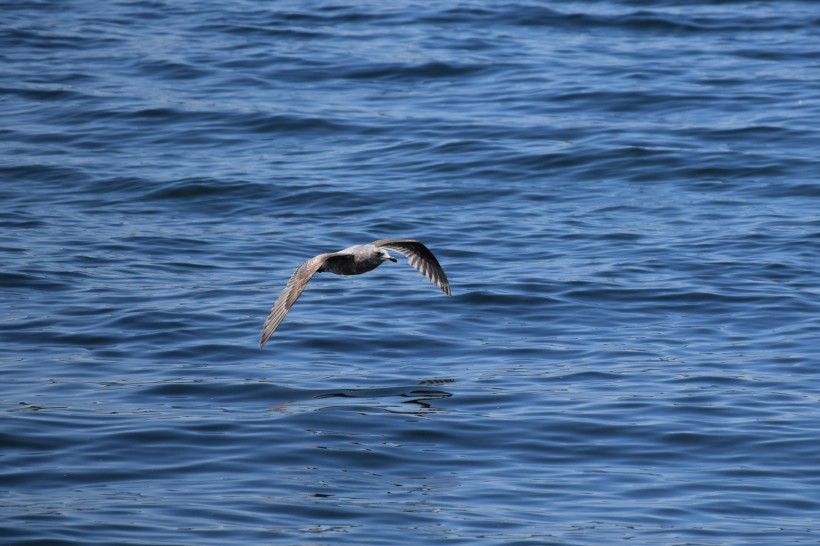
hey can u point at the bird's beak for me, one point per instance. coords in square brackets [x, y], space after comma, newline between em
[392, 259]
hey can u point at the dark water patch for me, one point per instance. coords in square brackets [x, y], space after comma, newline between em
[32, 281]
[423, 71]
[296, 124]
[42, 93]
[332, 15]
[639, 20]
[169, 70]
[767, 54]
[39, 172]
[206, 192]
[158, 115]
[791, 189]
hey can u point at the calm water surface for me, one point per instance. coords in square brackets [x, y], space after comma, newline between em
[624, 195]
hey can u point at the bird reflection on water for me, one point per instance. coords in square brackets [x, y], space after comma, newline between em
[416, 399]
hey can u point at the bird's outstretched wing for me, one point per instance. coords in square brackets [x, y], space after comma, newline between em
[420, 257]
[293, 290]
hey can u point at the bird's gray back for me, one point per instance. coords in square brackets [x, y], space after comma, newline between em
[365, 258]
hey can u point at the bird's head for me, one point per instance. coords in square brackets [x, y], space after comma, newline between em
[386, 256]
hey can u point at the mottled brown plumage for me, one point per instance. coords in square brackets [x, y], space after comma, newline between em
[353, 260]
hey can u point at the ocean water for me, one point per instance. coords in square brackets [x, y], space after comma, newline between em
[624, 194]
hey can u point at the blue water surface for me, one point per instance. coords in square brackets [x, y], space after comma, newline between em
[624, 195]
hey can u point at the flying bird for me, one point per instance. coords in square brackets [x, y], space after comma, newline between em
[353, 260]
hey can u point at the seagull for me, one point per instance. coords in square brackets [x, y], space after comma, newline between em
[353, 260]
